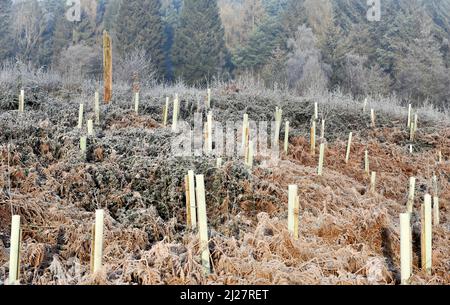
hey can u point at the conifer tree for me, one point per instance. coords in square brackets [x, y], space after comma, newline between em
[5, 29]
[199, 51]
[140, 27]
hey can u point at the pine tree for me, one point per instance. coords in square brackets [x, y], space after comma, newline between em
[261, 45]
[140, 26]
[199, 51]
[5, 29]
[334, 49]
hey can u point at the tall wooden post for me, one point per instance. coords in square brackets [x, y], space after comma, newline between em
[107, 67]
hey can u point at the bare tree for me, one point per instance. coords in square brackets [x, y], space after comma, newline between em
[134, 68]
[304, 67]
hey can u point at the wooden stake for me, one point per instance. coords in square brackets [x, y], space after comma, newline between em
[83, 144]
[14, 251]
[410, 148]
[365, 105]
[405, 248]
[188, 202]
[80, 116]
[166, 112]
[372, 116]
[366, 162]
[286, 138]
[136, 102]
[349, 144]
[293, 211]
[313, 138]
[321, 157]
[219, 162]
[426, 235]
[97, 108]
[409, 116]
[98, 240]
[193, 208]
[176, 105]
[412, 189]
[90, 126]
[203, 224]
[436, 217]
[373, 181]
[107, 67]
[439, 156]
